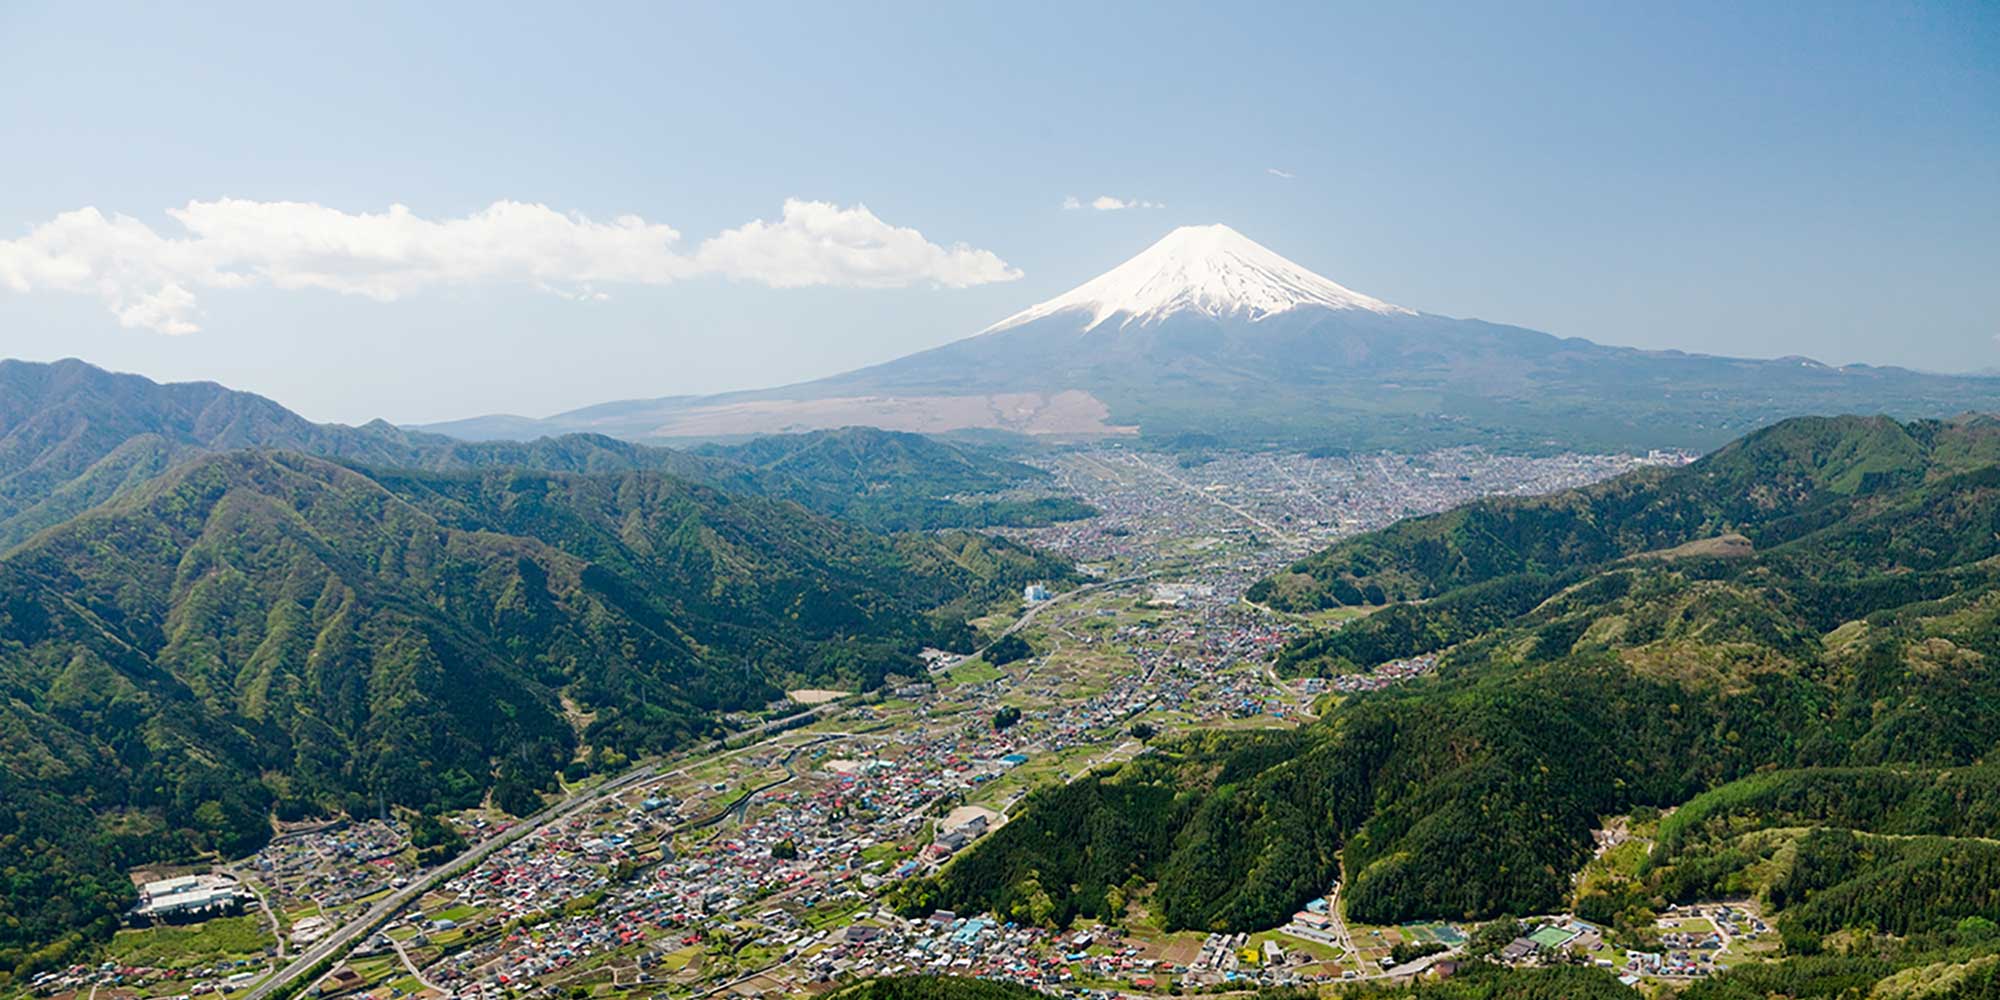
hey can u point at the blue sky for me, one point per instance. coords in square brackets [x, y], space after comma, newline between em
[1770, 179]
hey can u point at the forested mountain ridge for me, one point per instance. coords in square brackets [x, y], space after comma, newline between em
[746, 577]
[264, 630]
[895, 480]
[860, 460]
[1576, 681]
[73, 435]
[1772, 486]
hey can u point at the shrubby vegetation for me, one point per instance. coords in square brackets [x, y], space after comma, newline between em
[1007, 649]
[1005, 718]
[932, 988]
[208, 941]
[1483, 981]
[434, 839]
[1410, 951]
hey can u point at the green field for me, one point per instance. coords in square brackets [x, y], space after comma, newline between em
[972, 671]
[175, 947]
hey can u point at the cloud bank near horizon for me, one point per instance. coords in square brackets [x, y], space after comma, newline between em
[150, 280]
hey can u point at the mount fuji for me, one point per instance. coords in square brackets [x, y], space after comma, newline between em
[1211, 271]
[1208, 336]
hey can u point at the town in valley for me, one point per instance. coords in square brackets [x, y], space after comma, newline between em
[764, 865]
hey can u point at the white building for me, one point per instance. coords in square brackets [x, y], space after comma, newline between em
[187, 894]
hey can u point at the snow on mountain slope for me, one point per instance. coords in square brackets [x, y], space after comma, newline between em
[1213, 270]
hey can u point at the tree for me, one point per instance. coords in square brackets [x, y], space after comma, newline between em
[1410, 951]
[1041, 909]
[434, 839]
[1143, 731]
[1006, 717]
[211, 819]
[1493, 936]
[516, 798]
[1007, 649]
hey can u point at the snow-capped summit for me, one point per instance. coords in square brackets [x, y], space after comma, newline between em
[1213, 270]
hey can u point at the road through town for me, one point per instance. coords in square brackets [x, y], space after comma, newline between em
[339, 941]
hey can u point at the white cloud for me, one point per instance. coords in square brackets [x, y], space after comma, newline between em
[1106, 203]
[817, 243]
[149, 280]
[1281, 174]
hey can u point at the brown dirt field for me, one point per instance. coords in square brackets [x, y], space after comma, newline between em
[1070, 412]
[1729, 546]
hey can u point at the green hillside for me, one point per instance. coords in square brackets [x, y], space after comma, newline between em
[1897, 849]
[259, 631]
[856, 461]
[1777, 484]
[897, 481]
[73, 436]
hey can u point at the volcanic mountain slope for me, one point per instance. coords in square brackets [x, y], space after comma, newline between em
[1591, 663]
[73, 435]
[1207, 334]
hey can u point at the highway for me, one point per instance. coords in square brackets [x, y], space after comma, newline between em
[340, 940]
